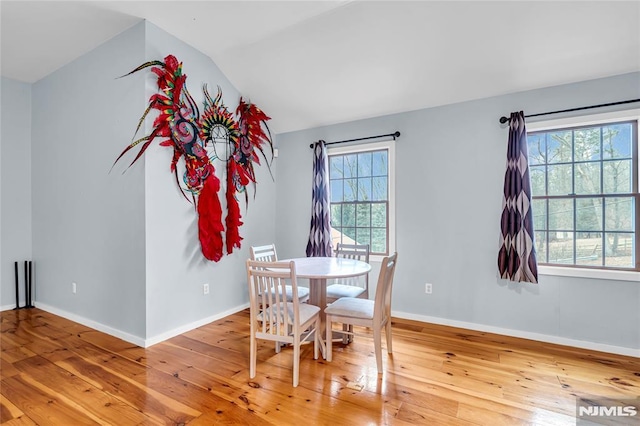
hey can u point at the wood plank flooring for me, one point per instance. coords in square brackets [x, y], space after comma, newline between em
[57, 372]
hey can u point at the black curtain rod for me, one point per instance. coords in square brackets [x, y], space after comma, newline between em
[395, 135]
[505, 119]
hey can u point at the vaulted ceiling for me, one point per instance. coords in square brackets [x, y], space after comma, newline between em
[313, 63]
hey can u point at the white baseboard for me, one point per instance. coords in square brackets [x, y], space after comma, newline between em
[145, 343]
[7, 307]
[187, 327]
[620, 350]
[136, 340]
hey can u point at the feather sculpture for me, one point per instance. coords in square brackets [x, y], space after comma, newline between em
[181, 127]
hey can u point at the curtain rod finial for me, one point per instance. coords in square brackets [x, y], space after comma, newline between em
[396, 134]
[503, 120]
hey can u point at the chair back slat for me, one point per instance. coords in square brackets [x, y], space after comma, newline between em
[353, 251]
[382, 306]
[356, 252]
[266, 253]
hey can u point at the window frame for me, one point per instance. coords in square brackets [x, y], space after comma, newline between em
[389, 146]
[597, 272]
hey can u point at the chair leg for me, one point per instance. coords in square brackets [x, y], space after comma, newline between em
[296, 360]
[328, 342]
[377, 344]
[252, 357]
[387, 330]
[346, 338]
[316, 339]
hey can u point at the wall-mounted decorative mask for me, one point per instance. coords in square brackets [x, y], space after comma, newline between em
[239, 141]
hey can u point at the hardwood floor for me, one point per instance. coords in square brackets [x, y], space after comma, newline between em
[57, 372]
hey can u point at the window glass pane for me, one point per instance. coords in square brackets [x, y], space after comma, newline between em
[617, 141]
[364, 164]
[350, 165]
[363, 236]
[617, 176]
[363, 215]
[336, 191]
[560, 215]
[379, 215]
[561, 247]
[559, 147]
[336, 215]
[539, 209]
[619, 250]
[335, 167]
[589, 248]
[379, 189]
[348, 215]
[587, 178]
[587, 144]
[348, 235]
[538, 182]
[364, 189]
[560, 179]
[589, 214]
[350, 189]
[378, 240]
[541, 246]
[537, 146]
[619, 214]
[380, 164]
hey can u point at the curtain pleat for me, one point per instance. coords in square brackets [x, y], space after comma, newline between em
[517, 255]
[320, 243]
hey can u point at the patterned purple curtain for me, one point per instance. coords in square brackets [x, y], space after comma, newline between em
[517, 256]
[320, 243]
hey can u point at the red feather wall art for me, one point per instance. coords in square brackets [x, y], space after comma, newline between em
[180, 126]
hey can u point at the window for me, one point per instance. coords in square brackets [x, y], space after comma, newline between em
[584, 185]
[362, 204]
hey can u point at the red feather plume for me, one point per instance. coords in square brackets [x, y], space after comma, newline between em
[210, 219]
[232, 220]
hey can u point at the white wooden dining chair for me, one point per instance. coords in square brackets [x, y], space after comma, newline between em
[375, 314]
[267, 253]
[273, 317]
[355, 286]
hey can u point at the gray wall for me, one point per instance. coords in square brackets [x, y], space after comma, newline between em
[176, 269]
[15, 191]
[450, 170]
[88, 224]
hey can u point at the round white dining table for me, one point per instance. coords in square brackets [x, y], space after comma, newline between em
[318, 270]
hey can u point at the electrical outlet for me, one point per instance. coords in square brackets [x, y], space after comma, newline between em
[428, 288]
[73, 288]
[205, 288]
